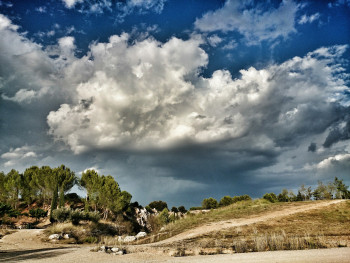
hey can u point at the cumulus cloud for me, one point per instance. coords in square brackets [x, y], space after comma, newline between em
[256, 24]
[149, 95]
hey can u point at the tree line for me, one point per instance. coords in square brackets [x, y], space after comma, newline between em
[48, 187]
[333, 190]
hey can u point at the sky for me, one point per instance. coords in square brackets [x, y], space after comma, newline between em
[178, 100]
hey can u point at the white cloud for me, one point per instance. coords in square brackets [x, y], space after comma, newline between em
[41, 9]
[71, 3]
[230, 45]
[6, 23]
[149, 95]
[27, 96]
[124, 7]
[255, 24]
[308, 19]
[155, 5]
[214, 40]
[18, 154]
[334, 161]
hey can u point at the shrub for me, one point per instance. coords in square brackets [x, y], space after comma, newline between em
[164, 216]
[196, 208]
[76, 216]
[93, 217]
[61, 214]
[225, 201]
[270, 197]
[174, 209]
[37, 213]
[209, 203]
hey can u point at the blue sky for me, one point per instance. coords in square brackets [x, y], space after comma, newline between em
[178, 100]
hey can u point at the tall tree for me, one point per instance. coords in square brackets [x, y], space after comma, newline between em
[3, 194]
[29, 188]
[12, 185]
[90, 181]
[341, 188]
[65, 181]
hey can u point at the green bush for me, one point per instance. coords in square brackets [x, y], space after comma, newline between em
[225, 201]
[209, 203]
[76, 216]
[159, 205]
[270, 197]
[37, 213]
[61, 214]
[196, 208]
[93, 217]
[164, 216]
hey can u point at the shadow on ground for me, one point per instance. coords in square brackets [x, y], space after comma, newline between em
[30, 254]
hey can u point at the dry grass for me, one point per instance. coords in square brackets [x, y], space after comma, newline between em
[326, 227]
[84, 233]
[241, 209]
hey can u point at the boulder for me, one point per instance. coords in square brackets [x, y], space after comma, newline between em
[114, 249]
[141, 234]
[129, 239]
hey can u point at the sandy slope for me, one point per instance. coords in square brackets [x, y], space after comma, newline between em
[25, 246]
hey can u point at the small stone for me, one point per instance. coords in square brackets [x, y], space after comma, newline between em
[119, 253]
[66, 236]
[103, 248]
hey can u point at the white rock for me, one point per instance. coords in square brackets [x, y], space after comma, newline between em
[66, 236]
[114, 249]
[141, 234]
[55, 236]
[129, 238]
[119, 253]
[103, 248]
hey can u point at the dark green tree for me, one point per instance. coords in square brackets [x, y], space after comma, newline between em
[13, 182]
[209, 203]
[270, 197]
[182, 209]
[158, 205]
[342, 189]
[226, 200]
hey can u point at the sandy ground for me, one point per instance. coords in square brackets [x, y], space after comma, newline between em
[25, 246]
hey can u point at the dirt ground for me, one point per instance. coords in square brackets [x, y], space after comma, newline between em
[26, 246]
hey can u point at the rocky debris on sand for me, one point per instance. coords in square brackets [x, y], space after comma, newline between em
[66, 236]
[110, 250]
